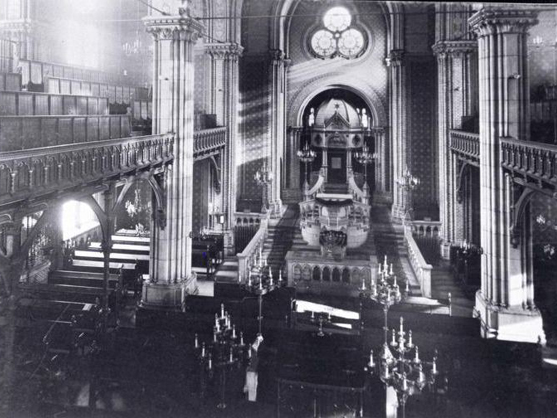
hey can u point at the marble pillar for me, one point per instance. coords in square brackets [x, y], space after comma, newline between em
[278, 69]
[455, 100]
[224, 104]
[398, 105]
[170, 270]
[503, 303]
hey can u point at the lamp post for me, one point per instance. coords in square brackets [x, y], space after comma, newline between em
[263, 177]
[226, 349]
[408, 182]
[306, 155]
[365, 157]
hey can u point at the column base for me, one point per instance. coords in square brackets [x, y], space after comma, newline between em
[509, 324]
[168, 296]
[228, 237]
[445, 250]
[398, 213]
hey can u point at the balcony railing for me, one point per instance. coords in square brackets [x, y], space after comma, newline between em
[530, 159]
[466, 145]
[208, 141]
[42, 171]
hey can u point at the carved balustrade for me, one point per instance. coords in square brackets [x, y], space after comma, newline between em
[421, 268]
[39, 172]
[209, 142]
[426, 228]
[532, 161]
[251, 253]
[466, 145]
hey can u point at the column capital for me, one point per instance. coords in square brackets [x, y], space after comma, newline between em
[181, 28]
[229, 50]
[395, 58]
[489, 20]
[454, 48]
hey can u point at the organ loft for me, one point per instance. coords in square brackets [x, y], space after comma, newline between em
[290, 208]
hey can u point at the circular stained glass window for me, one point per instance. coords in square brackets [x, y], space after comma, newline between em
[337, 38]
[337, 19]
[351, 43]
[323, 43]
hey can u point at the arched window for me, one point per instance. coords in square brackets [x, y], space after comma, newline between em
[337, 38]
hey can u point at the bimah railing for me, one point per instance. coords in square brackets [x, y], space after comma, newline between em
[421, 268]
[250, 254]
[466, 145]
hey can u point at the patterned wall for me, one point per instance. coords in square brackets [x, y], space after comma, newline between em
[542, 58]
[422, 134]
[201, 82]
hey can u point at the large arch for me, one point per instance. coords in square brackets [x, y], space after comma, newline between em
[313, 87]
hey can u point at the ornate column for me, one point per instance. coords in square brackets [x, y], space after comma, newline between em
[398, 105]
[224, 102]
[278, 68]
[455, 100]
[502, 301]
[170, 261]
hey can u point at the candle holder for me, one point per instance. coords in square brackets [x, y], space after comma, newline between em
[406, 375]
[408, 183]
[321, 319]
[365, 157]
[260, 281]
[264, 177]
[226, 349]
[386, 292]
[306, 156]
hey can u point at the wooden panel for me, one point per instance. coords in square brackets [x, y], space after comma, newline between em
[79, 126]
[41, 104]
[78, 74]
[103, 106]
[25, 72]
[125, 127]
[65, 130]
[68, 72]
[56, 105]
[47, 70]
[114, 127]
[13, 82]
[92, 106]
[111, 94]
[53, 86]
[25, 105]
[50, 131]
[92, 128]
[149, 110]
[119, 94]
[76, 87]
[137, 110]
[86, 89]
[58, 71]
[95, 89]
[8, 103]
[65, 87]
[10, 134]
[104, 128]
[36, 72]
[31, 132]
[81, 105]
[69, 105]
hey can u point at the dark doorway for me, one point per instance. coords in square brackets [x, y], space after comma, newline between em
[337, 167]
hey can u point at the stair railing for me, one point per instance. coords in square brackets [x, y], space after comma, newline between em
[250, 255]
[421, 268]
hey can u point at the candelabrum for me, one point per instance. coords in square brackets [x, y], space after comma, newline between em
[386, 292]
[263, 177]
[407, 375]
[306, 155]
[469, 249]
[365, 157]
[260, 281]
[322, 318]
[226, 349]
[408, 183]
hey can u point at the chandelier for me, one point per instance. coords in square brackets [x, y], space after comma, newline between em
[365, 157]
[408, 181]
[136, 47]
[263, 177]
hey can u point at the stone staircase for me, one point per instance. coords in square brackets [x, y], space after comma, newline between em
[280, 238]
[228, 270]
[443, 283]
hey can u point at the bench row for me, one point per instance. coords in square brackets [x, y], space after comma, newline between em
[23, 103]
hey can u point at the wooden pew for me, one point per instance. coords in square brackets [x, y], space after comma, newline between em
[81, 278]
